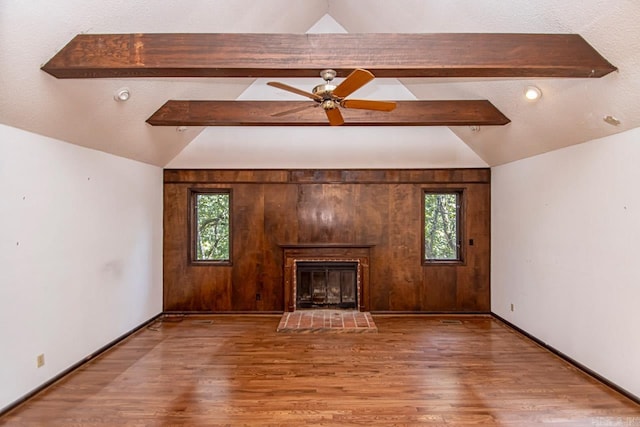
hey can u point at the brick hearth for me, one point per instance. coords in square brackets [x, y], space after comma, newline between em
[327, 321]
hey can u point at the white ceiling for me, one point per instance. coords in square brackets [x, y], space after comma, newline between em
[83, 112]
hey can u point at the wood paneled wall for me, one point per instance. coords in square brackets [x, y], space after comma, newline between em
[280, 207]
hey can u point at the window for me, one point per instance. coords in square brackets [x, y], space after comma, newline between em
[442, 232]
[211, 226]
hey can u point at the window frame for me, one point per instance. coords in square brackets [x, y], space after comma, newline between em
[193, 226]
[460, 222]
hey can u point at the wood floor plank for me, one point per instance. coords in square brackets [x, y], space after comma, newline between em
[236, 370]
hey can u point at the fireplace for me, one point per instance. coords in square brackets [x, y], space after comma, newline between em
[335, 263]
[326, 284]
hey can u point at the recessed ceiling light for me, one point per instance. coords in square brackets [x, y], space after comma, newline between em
[532, 93]
[122, 94]
[611, 120]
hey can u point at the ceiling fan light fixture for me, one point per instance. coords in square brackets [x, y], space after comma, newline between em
[329, 104]
[122, 94]
[532, 93]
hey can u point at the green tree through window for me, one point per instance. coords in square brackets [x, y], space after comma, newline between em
[441, 218]
[212, 234]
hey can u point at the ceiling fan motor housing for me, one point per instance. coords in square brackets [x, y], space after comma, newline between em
[324, 90]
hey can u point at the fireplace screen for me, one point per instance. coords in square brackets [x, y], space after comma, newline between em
[323, 284]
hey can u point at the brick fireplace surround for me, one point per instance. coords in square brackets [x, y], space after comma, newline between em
[326, 252]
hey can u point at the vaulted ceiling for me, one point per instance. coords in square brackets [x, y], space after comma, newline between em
[83, 111]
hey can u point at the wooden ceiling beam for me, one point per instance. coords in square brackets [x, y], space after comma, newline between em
[304, 55]
[265, 113]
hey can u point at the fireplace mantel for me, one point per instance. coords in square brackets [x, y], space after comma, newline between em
[358, 252]
[323, 245]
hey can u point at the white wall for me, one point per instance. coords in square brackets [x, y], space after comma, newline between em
[565, 236]
[220, 147]
[80, 254]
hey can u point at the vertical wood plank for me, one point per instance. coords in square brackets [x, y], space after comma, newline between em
[280, 226]
[473, 286]
[403, 252]
[248, 243]
[371, 223]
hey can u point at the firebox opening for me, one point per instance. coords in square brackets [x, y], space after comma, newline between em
[326, 284]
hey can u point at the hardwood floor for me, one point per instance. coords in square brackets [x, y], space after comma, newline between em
[417, 370]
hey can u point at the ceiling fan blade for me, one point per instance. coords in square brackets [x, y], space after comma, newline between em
[364, 104]
[294, 110]
[335, 117]
[295, 90]
[353, 82]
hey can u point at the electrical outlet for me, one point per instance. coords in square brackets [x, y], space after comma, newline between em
[511, 306]
[40, 360]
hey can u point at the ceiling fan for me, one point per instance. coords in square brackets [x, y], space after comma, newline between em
[331, 97]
